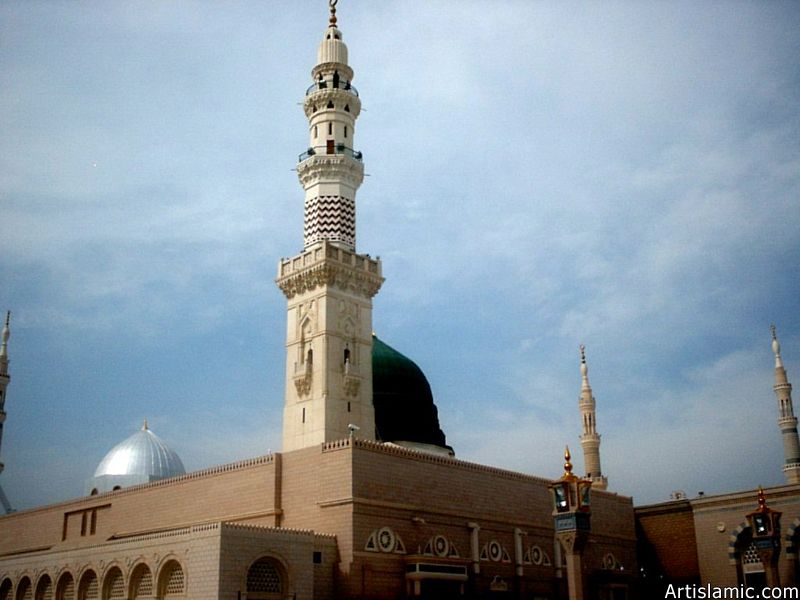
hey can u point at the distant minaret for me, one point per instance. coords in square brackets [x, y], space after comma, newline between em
[329, 286]
[590, 440]
[786, 419]
[4, 379]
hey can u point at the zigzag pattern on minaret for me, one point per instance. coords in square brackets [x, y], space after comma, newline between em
[330, 218]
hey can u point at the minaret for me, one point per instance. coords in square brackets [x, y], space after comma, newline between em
[329, 286]
[590, 440]
[786, 419]
[4, 379]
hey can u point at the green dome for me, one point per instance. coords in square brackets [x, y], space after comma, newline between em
[404, 408]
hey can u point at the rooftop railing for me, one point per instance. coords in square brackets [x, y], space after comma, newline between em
[328, 150]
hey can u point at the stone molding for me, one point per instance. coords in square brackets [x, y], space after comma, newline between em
[330, 167]
[339, 96]
[329, 273]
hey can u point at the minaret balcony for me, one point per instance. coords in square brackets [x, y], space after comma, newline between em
[331, 149]
[345, 86]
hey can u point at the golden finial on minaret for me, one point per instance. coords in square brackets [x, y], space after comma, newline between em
[583, 354]
[567, 463]
[332, 4]
[762, 499]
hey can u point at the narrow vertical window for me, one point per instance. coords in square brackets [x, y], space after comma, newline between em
[304, 415]
[345, 131]
[316, 132]
[348, 407]
[330, 128]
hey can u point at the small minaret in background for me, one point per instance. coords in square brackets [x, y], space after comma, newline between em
[590, 440]
[786, 419]
[4, 379]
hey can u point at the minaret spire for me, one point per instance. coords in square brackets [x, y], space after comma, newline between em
[590, 440]
[787, 422]
[329, 286]
[332, 20]
[4, 379]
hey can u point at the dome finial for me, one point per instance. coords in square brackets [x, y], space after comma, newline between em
[567, 463]
[332, 20]
[584, 367]
[144, 425]
[776, 347]
[6, 334]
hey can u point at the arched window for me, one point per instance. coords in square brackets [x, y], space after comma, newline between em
[88, 588]
[24, 591]
[141, 583]
[264, 580]
[44, 589]
[171, 583]
[65, 590]
[336, 79]
[113, 585]
[5, 589]
[330, 104]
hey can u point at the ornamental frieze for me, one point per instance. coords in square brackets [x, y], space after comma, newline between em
[348, 279]
[330, 167]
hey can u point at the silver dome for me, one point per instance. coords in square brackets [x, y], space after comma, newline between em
[141, 458]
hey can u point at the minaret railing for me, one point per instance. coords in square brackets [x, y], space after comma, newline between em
[335, 149]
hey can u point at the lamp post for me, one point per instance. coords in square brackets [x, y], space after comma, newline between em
[572, 522]
[765, 524]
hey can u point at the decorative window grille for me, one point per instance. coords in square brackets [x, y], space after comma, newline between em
[263, 577]
[24, 592]
[115, 589]
[143, 583]
[44, 590]
[89, 588]
[175, 582]
[66, 588]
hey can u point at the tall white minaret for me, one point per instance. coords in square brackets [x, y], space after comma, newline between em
[4, 379]
[590, 440]
[329, 287]
[786, 419]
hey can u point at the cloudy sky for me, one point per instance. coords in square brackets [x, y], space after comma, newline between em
[623, 175]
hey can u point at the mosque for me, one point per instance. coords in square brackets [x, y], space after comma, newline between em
[366, 498]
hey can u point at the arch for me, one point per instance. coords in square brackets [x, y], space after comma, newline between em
[65, 589]
[44, 588]
[24, 589]
[113, 584]
[6, 588]
[171, 580]
[88, 588]
[141, 582]
[266, 579]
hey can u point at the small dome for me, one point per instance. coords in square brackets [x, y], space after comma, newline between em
[405, 413]
[141, 458]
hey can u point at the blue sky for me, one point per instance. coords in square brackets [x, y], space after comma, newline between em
[541, 175]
